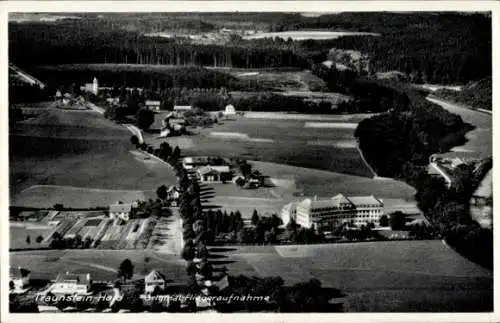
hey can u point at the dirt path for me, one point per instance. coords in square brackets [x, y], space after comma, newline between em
[172, 242]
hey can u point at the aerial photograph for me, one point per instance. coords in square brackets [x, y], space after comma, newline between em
[241, 161]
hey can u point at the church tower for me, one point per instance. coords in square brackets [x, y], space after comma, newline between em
[95, 86]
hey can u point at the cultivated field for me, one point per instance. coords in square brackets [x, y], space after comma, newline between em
[381, 276]
[279, 79]
[287, 142]
[101, 264]
[75, 197]
[309, 34]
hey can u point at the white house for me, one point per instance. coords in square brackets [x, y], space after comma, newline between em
[21, 279]
[314, 213]
[194, 162]
[183, 108]
[152, 280]
[120, 211]
[214, 174]
[67, 283]
[229, 112]
[153, 105]
[173, 193]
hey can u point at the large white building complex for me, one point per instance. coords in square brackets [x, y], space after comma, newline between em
[314, 213]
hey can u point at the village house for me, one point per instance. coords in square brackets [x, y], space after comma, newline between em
[67, 283]
[194, 162]
[182, 108]
[173, 193]
[314, 213]
[229, 112]
[113, 101]
[214, 174]
[120, 211]
[153, 280]
[67, 99]
[153, 105]
[21, 279]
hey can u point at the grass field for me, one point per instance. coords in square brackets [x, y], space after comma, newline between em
[18, 236]
[381, 276]
[78, 149]
[75, 197]
[287, 142]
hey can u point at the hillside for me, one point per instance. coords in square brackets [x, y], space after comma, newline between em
[477, 95]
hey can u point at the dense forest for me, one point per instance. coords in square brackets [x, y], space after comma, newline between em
[445, 48]
[140, 77]
[477, 95]
[71, 42]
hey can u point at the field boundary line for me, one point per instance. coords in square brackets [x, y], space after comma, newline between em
[366, 163]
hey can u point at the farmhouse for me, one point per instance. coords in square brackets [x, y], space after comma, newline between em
[67, 283]
[194, 162]
[183, 108]
[120, 211]
[173, 193]
[214, 174]
[314, 213]
[152, 105]
[229, 112]
[113, 101]
[152, 280]
[21, 279]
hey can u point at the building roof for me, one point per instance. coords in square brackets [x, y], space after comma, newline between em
[120, 208]
[182, 107]
[176, 120]
[172, 188]
[207, 170]
[221, 169]
[229, 109]
[83, 279]
[152, 102]
[339, 200]
[195, 159]
[154, 276]
[364, 200]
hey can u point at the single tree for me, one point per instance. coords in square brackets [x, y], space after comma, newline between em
[145, 118]
[28, 240]
[126, 270]
[384, 221]
[255, 217]
[134, 140]
[161, 192]
[397, 220]
[39, 239]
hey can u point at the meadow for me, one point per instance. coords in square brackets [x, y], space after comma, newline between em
[287, 142]
[78, 149]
